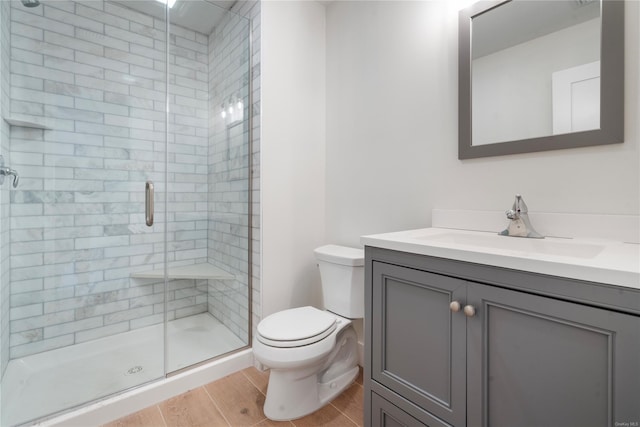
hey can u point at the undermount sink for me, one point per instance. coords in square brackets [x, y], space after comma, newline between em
[524, 246]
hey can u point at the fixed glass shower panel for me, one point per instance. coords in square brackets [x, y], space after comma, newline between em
[208, 183]
[125, 243]
[84, 91]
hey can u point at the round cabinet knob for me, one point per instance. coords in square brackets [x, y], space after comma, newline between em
[469, 311]
[455, 306]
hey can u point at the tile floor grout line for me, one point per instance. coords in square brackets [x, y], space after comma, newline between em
[349, 418]
[257, 388]
[262, 420]
[251, 381]
[162, 416]
[216, 406]
[343, 413]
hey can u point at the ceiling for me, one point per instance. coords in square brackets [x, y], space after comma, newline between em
[519, 21]
[198, 15]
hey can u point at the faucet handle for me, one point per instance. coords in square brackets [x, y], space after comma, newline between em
[519, 205]
[512, 214]
[5, 171]
[519, 225]
[16, 177]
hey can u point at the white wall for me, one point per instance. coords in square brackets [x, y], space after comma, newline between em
[391, 137]
[293, 152]
[390, 101]
[392, 130]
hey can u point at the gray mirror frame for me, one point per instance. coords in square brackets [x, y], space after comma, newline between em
[611, 90]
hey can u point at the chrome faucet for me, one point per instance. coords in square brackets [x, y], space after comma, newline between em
[5, 171]
[519, 225]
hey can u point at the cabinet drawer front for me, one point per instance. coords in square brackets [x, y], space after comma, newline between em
[418, 343]
[386, 414]
[541, 361]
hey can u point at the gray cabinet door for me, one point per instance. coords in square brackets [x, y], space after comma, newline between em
[536, 361]
[418, 343]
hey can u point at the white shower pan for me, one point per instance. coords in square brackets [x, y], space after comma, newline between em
[45, 383]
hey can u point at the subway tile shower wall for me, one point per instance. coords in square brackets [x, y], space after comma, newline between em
[229, 174]
[94, 72]
[5, 89]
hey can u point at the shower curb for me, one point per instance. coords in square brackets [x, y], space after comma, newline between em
[131, 401]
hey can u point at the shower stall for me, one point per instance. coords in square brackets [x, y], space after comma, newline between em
[125, 203]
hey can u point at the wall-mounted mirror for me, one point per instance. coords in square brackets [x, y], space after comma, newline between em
[539, 75]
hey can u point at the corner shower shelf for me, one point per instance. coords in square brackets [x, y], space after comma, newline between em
[195, 271]
[25, 124]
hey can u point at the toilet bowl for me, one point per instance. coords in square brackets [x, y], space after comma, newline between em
[313, 353]
[305, 377]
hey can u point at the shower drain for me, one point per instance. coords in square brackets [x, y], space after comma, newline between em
[134, 370]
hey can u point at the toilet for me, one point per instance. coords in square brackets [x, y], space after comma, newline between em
[313, 353]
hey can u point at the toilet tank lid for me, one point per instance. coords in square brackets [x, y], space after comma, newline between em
[340, 255]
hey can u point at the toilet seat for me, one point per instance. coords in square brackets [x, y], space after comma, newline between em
[296, 327]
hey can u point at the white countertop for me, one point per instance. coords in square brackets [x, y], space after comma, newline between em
[596, 260]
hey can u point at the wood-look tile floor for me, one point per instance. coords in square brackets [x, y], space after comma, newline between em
[237, 400]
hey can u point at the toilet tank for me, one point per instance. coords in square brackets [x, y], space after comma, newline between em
[342, 276]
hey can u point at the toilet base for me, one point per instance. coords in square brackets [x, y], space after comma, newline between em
[294, 393]
[292, 404]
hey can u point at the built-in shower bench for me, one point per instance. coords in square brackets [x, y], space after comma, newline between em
[195, 271]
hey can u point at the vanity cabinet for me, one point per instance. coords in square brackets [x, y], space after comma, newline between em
[451, 343]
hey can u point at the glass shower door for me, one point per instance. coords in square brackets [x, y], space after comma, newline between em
[99, 102]
[83, 304]
[208, 171]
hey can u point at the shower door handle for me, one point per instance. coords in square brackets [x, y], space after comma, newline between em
[148, 203]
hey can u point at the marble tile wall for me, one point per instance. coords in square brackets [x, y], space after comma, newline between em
[5, 56]
[93, 72]
[229, 73]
